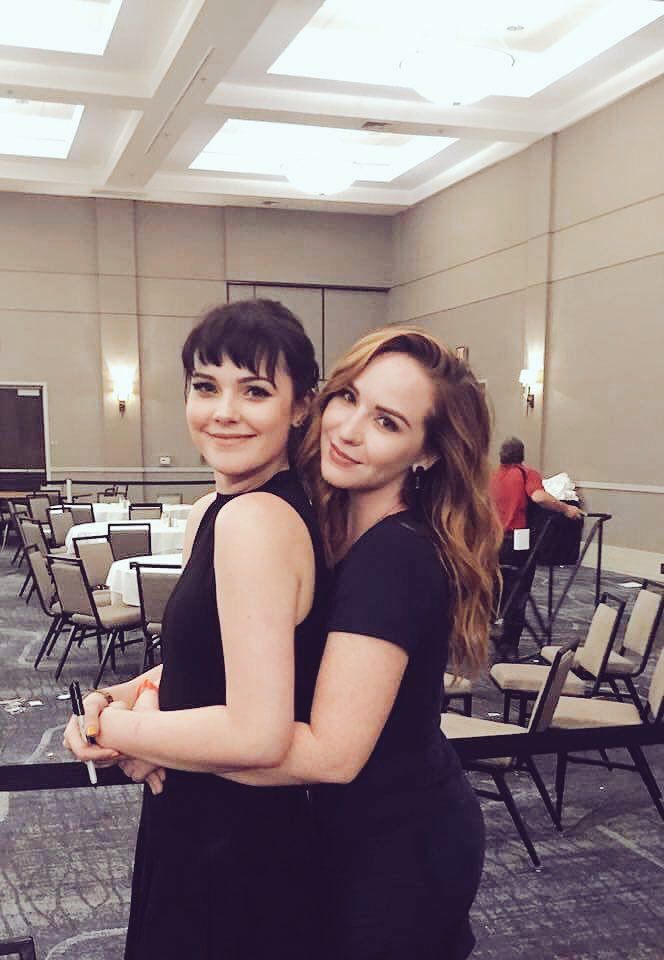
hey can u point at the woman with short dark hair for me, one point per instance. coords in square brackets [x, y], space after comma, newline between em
[223, 869]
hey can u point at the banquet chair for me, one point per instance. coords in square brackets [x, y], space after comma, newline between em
[172, 498]
[155, 585]
[145, 511]
[81, 512]
[631, 659]
[17, 508]
[53, 493]
[48, 600]
[85, 617]
[522, 681]
[454, 725]
[38, 504]
[572, 713]
[458, 688]
[60, 520]
[130, 540]
[32, 534]
[97, 557]
[114, 493]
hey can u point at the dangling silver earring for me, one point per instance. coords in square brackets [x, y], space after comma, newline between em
[418, 473]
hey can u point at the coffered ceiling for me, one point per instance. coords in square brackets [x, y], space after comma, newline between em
[260, 102]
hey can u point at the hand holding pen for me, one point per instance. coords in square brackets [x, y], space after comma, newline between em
[79, 713]
[75, 740]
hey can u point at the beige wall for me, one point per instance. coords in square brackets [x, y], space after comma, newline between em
[87, 284]
[555, 258]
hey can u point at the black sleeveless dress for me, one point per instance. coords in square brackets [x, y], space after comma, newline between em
[223, 871]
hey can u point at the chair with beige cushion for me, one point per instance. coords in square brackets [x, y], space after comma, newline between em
[81, 512]
[130, 540]
[145, 511]
[454, 726]
[523, 681]
[86, 618]
[572, 713]
[61, 521]
[38, 504]
[48, 599]
[456, 687]
[630, 661]
[97, 557]
[155, 585]
[54, 495]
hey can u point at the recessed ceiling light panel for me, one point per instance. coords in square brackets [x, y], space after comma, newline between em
[30, 128]
[365, 41]
[257, 147]
[67, 26]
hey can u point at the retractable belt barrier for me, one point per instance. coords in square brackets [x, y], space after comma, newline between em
[71, 774]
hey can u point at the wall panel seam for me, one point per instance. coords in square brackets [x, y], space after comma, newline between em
[463, 263]
[608, 266]
[470, 303]
[608, 213]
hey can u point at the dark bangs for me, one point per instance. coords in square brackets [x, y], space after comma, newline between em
[254, 334]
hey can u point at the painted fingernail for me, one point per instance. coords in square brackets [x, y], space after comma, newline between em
[91, 731]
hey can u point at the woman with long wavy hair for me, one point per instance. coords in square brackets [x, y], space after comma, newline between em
[396, 464]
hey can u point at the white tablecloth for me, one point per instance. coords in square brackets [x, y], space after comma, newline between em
[117, 512]
[122, 580]
[164, 539]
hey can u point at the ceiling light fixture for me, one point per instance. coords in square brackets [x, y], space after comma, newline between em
[319, 174]
[456, 74]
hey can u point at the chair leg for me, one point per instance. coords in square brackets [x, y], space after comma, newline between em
[45, 642]
[30, 592]
[508, 800]
[107, 653]
[615, 689]
[606, 758]
[70, 642]
[561, 768]
[25, 583]
[467, 703]
[507, 706]
[523, 710]
[634, 694]
[641, 765]
[60, 627]
[543, 792]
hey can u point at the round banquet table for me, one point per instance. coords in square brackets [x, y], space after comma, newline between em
[118, 512]
[164, 538]
[121, 579]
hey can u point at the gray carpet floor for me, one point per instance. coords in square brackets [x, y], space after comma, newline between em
[65, 870]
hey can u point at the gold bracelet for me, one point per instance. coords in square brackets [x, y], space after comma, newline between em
[108, 697]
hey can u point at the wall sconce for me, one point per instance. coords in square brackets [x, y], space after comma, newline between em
[123, 384]
[528, 378]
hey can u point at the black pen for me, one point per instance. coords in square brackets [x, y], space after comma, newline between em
[79, 713]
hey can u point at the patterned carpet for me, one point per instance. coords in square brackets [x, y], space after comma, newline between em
[65, 879]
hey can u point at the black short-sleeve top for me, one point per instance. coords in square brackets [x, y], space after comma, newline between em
[392, 585]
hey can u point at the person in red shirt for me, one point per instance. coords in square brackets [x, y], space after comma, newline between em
[512, 485]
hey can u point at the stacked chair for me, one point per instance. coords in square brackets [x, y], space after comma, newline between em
[46, 593]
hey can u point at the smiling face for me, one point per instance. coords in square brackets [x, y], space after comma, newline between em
[240, 421]
[373, 432]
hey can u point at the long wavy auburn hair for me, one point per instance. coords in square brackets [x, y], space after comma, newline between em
[453, 500]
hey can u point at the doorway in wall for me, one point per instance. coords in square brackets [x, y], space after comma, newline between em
[23, 463]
